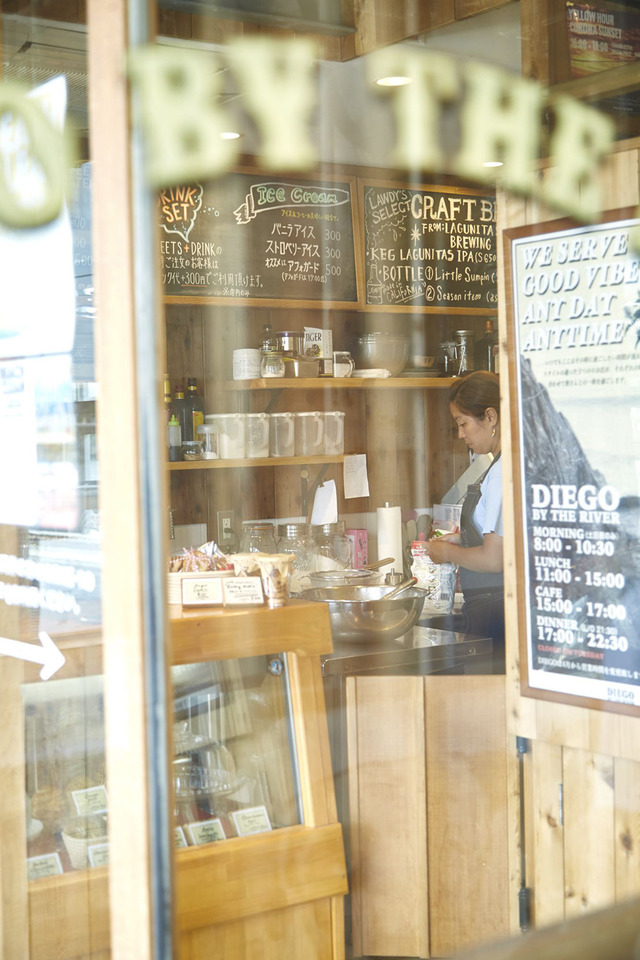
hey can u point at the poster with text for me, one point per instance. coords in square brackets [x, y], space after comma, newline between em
[576, 302]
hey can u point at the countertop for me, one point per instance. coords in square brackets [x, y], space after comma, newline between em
[423, 649]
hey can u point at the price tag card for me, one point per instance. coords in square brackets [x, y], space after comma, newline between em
[179, 839]
[251, 820]
[241, 591]
[98, 854]
[202, 593]
[206, 831]
[46, 865]
[91, 800]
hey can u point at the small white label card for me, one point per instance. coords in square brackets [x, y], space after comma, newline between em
[251, 820]
[201, 593]
[179, 839]
[46, 865]
[98, 854]
[91, 800]
[354, 475]
[240, 591]
[206, 831]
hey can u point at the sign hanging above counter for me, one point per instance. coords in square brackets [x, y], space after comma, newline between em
[428, 247]
[259, 239]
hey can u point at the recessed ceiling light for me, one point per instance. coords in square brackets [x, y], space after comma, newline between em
[393, 81]
[493, 163]
[230, 135]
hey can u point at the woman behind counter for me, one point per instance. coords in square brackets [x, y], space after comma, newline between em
[474, 402]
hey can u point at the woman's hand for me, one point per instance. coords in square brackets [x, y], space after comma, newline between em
[438, 549]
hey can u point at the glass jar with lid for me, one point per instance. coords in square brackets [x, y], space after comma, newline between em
[271, 363]
[295, 538]
[334, 547]
[258, 536]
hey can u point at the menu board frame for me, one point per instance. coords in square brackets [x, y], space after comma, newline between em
[561, 681]
[440, 308]
[290, 302]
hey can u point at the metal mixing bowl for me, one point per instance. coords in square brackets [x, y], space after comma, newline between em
[388, 351]
[362, 615]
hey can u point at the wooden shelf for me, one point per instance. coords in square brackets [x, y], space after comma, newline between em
[337, 383]
[255, 462]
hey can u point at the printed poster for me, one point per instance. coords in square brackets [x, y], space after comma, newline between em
[577, 331]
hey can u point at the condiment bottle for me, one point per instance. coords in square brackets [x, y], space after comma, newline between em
[486, 348]
[196, 407]
[174, 438]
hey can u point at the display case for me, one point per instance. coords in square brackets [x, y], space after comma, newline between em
[251, 790]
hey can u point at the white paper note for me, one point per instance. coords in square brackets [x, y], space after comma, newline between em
[325, 503]
[356, 481]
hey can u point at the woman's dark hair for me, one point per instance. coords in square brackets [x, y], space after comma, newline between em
[475, 392]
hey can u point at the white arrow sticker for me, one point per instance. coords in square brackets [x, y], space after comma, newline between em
[47, 654]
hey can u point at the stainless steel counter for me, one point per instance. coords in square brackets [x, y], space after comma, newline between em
[421, 651]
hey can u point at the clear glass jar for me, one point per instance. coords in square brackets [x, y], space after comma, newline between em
[192, 450]
[295, 538]
[271, 363]
[465, 347]
[334, 547]
[258, 537]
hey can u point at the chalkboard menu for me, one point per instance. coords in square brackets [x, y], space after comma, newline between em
[429, 248]
[576, 319]
[248, 237]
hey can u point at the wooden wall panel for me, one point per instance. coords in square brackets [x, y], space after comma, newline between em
[588, 831]
[545, 856]
[387, 802]
[627, 828]
[466, 811]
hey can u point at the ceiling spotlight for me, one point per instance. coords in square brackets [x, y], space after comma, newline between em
[230, 135]
[493, 163]
[393, 81]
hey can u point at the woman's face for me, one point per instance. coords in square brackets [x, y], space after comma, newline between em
[477, 434]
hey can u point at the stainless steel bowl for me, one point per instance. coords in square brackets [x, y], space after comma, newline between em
[361, 614]
[343, 578]
[388, 351]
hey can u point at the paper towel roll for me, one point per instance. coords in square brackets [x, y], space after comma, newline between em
[390, 538]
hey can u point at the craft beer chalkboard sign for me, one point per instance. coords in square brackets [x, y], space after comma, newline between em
[254, 238]
[430, 248]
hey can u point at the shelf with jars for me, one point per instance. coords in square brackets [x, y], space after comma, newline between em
[336, 383]
[255, 462]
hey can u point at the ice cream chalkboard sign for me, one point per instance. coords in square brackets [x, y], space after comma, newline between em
[431, 248]
[247, 237]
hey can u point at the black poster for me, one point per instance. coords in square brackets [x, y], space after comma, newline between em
[576, 308]
[429, 248]
[258, 238]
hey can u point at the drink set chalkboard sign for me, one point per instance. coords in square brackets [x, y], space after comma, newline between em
[255, 238]
[247, 237]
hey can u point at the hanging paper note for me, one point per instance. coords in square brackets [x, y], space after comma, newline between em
[356, 481]
[325, 503]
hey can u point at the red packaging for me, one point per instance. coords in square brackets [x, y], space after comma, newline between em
[359, 547]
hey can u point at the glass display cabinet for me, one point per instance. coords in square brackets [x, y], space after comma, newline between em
[251, 787]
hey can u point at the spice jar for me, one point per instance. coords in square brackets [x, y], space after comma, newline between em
[271, 363]
[258, 537]
[192, 450]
